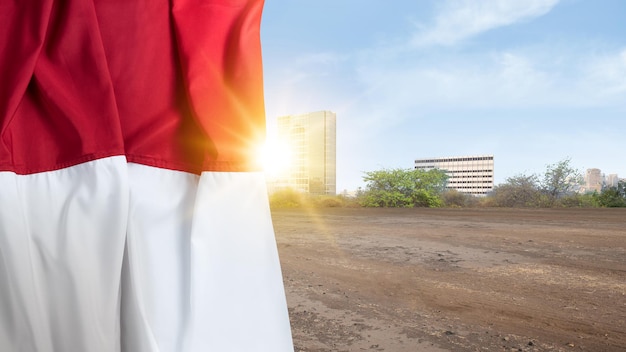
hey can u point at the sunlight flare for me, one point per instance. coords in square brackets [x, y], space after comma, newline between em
[276, 157]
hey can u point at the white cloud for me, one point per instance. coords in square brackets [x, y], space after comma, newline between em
[492, 81]
[460, 19]
[608, 74]
[547, 84]
[321, 58]
[302, 84]
[306, 66]
[538, 76]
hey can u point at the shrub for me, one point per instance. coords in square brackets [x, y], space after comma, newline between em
[287, 198]
[579, 201]
[330, 202]
[455, 199]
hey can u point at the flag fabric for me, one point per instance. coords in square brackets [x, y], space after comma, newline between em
[133, 213]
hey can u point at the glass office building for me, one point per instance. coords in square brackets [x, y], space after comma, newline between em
[311, 139]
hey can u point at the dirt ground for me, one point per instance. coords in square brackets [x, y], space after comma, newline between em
[454, 279]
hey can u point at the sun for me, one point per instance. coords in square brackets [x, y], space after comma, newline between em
[276, 157]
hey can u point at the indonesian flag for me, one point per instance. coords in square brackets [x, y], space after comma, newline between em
[133, 215]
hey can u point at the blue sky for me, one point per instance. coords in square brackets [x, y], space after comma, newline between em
[530, 81]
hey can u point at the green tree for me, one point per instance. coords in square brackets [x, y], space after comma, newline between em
[403, 188]
[518, 191]
[560, 179]
[613, 197]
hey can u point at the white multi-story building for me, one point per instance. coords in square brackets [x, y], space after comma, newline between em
[467, 174]
[311, 139]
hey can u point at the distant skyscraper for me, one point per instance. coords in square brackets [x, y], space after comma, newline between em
[612, 180]
[593, 180]
[466, 174]
[311, 139]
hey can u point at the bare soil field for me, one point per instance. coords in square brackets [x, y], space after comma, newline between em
[454, 279]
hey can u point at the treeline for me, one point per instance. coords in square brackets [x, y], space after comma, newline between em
[557, 187]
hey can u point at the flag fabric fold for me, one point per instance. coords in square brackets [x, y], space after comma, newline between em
[62, 236]
[133, 214]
